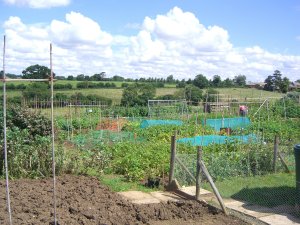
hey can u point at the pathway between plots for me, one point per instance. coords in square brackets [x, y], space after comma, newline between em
[280, 215]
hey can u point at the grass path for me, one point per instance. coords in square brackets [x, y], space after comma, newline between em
[269, 190]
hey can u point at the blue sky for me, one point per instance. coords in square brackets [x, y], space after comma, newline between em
[136, 38]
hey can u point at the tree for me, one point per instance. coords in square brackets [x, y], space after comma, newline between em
[240, 80]
[277, 78]
[181, 84]
[193, 94]
[36, 72]
[269, 83]
[201, 81]
[39, 90]
[211, 95]
[284, 85]
[99, 76]
[217, 82]
[117, 78]
[70, 77]
[228, 82]
[80, 77]
[275, 82]
[60, 78]
[135, 95]
[170, 79]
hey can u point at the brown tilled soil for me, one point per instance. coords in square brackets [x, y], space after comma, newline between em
[83, 200]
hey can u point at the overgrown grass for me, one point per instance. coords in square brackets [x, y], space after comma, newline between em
[247, 93]
[269, 190]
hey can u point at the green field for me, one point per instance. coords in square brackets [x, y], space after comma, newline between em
[75, 82]
[116, 93]
[247, 93]
[113, 93]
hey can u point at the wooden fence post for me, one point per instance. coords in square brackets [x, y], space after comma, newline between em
[276, 143]
[198, 172]
[172, 159]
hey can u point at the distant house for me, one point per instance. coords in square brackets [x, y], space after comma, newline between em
[294, 86]
[258, 85]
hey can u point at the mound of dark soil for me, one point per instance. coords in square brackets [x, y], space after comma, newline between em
[83, 200]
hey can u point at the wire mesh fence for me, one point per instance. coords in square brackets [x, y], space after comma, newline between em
[249, 173]
[99, 137]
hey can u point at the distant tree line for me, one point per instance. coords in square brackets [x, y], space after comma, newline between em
[273, 82]
[39, 91]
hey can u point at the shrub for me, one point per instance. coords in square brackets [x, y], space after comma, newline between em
[37, 90]
[28, 144]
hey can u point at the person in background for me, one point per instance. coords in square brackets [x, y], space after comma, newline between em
[243, 110]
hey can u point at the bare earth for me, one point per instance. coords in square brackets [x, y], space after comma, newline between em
[83, 200]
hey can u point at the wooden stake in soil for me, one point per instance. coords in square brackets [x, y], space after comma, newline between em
[172, 159]
[276, 143]
[198, 173]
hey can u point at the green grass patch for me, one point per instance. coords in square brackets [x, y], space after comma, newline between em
[118, 183]
[269, 190]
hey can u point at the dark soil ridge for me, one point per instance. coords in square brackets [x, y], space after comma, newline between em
[83, 200]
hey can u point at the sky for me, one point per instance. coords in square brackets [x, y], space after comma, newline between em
[141, 38]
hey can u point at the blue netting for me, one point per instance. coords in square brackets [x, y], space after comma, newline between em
[233, 123]
[149, 123]
[216, 139]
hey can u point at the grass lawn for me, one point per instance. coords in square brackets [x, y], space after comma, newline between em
[269, 190]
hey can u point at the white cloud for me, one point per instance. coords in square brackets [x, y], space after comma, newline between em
[38, 3]
[78, 29]
[175, 43]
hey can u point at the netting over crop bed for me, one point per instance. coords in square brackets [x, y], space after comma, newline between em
[167, 108]
[150, 123]
[233, 123]
[97, 137]
[217, 139]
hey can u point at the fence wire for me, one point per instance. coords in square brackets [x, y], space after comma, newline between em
[247, 174]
